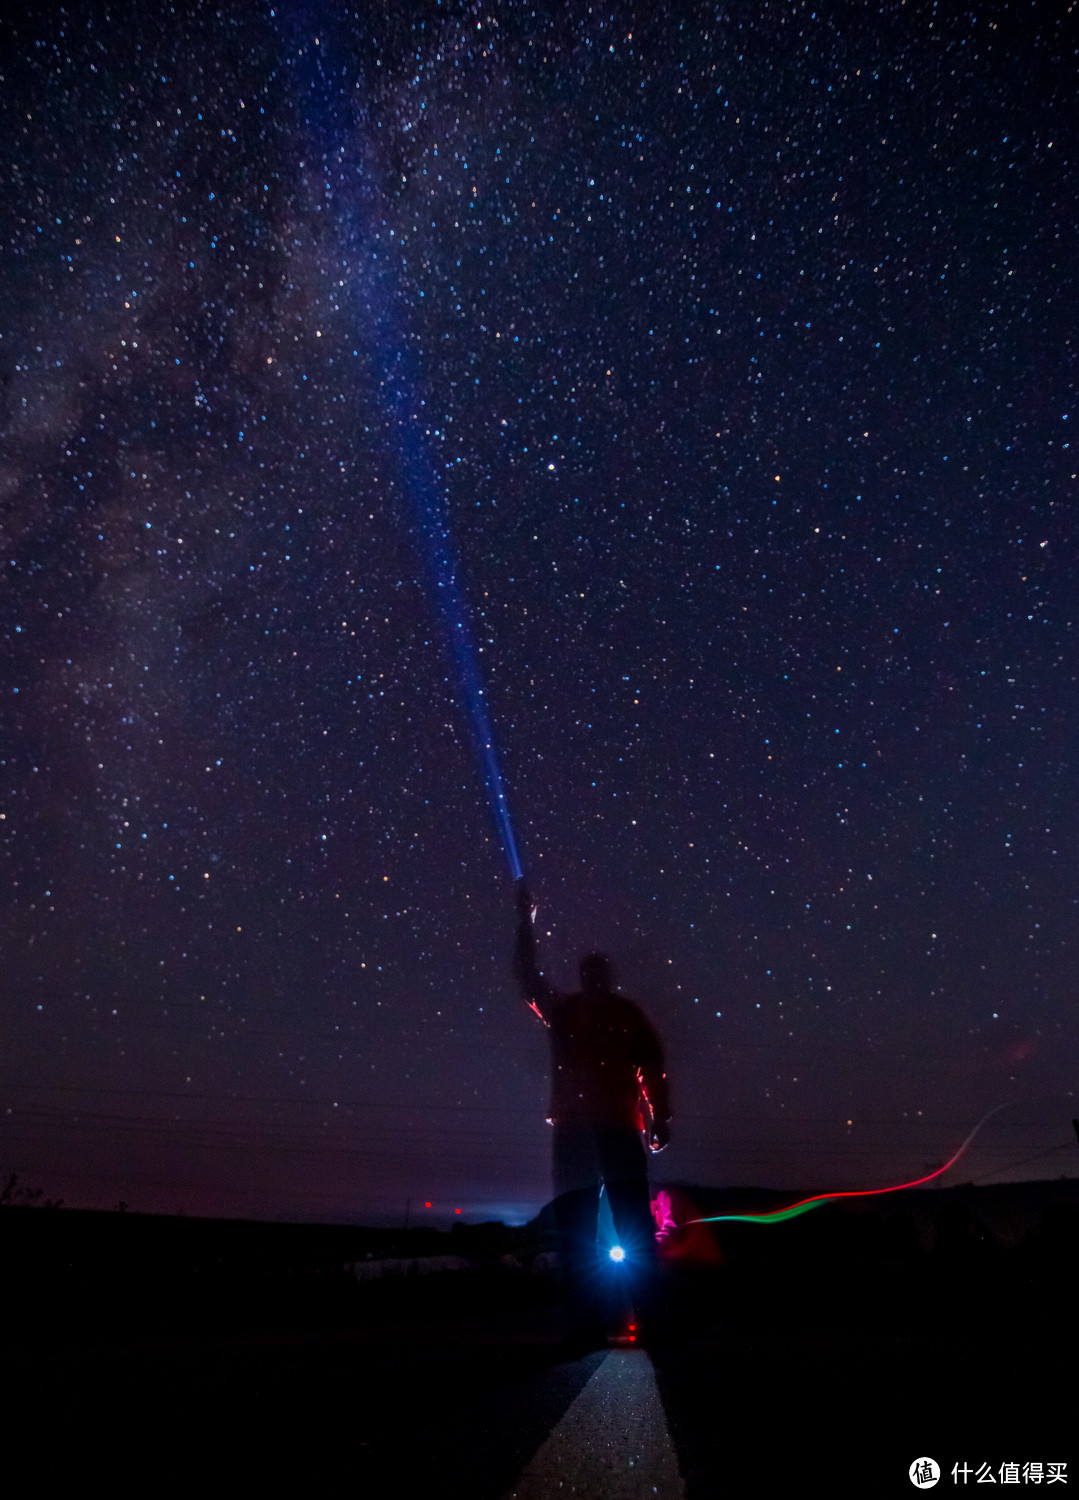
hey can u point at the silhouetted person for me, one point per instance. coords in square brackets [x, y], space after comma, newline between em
[607, 1086]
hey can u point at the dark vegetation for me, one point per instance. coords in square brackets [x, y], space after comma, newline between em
[871, 1332]
[952, 1264]
[14, 1195]
[919, 1260]
[86, 1275]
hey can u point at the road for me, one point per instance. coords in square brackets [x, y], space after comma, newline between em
[434, 1394]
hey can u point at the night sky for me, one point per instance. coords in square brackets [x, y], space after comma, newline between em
[742, 338]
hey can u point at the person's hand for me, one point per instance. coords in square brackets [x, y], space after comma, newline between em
[659, 1137]
[526, 907]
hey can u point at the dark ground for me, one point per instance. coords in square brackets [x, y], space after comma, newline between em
[838, 1347]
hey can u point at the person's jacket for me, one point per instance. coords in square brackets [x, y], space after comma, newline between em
[606, 1060]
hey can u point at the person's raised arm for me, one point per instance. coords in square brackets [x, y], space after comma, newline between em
[537, 993]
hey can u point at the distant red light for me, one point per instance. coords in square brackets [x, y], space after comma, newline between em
[427, 1205]
[457, 1210]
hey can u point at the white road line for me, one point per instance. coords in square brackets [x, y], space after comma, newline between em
[612, 1443]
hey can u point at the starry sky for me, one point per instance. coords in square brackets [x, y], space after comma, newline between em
[727, 349]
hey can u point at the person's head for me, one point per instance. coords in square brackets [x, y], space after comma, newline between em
[597, 974]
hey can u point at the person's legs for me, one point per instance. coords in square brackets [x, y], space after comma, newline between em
[625, 1176]
[576, 1206]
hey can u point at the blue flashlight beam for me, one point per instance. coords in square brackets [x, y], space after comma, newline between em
[317, 60]
[430, 501]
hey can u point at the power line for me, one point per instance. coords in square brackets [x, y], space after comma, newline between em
[414, 1106]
